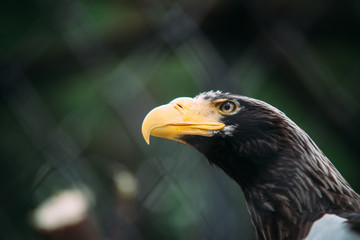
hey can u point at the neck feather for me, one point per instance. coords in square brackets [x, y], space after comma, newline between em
[289, 187]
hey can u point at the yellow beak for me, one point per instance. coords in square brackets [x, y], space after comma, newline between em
[182, 116]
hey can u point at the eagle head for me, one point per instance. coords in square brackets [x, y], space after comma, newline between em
[287, 181]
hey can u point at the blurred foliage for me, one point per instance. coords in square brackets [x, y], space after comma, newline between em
[78, 77]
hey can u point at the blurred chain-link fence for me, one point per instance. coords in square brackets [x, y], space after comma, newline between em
[78, 77]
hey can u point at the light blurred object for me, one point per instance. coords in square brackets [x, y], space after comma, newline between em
[126, 192]
[126, 184]
[66, 215]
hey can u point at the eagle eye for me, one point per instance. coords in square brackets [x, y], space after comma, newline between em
[228, 107]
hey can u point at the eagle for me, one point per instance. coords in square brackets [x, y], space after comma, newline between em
[291, 188]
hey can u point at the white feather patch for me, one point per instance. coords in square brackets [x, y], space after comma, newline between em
[331, 227]
[229, 130]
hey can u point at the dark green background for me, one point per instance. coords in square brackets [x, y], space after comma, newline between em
[78, 77]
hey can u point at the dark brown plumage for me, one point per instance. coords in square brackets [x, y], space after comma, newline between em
[287, 181]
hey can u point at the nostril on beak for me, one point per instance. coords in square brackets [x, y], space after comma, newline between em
[179, 105]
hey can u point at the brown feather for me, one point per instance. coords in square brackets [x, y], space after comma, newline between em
[287, 181]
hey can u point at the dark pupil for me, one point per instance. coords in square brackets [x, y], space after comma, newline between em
[227, 106]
